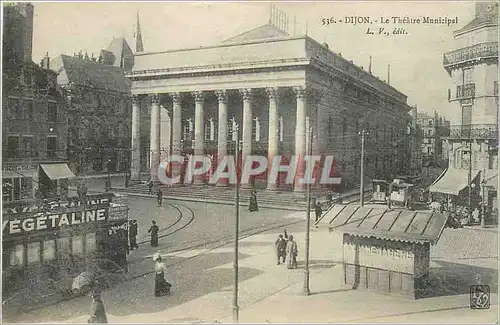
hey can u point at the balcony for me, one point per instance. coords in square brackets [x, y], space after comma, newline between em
[475, 131]
[475, 52]
[466, 91]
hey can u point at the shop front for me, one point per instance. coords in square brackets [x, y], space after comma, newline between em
[19, 181]
[385, 250]
[44, 247]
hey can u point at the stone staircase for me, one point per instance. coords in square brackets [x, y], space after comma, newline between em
[285, 199]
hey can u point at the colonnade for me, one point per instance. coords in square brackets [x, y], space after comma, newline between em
[247, 95]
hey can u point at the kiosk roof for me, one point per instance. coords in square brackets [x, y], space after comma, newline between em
[384, 223]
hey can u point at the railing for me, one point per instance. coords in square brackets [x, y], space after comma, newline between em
[475, 131]
[466, 91]
[483, 50]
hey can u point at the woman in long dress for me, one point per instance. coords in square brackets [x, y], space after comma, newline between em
[291, 253]
[97, 312]
[162, 287]
[153, 230]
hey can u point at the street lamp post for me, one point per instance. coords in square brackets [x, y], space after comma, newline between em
[236, 234]
[306, 290]
[470, 179]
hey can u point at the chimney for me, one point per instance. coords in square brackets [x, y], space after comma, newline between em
[27, 11]
[46, 62]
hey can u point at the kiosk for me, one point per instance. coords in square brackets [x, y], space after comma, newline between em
[386, 250]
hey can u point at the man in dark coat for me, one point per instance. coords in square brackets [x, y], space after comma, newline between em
[159, 196]
[254, 206]
[132, 234]
[150, 186]
[97, 312]
[318, 210]
[280, 248]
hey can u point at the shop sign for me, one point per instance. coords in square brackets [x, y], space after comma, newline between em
[19, 168]
[94, 200]
[385, 258]
[48, 221]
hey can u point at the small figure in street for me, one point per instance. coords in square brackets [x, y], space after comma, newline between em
[153, 230]
[254, 206]
[329, 198]
[132, 234]
[150, 186]
[162, 287]
[318, 210]
[79, 191]
[123, 249]
[84, 191]
[291, 253]
[127, 179]
[280, 248]
[97, 312]
[159, 196]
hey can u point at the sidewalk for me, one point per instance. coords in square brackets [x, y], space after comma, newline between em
[273, 293]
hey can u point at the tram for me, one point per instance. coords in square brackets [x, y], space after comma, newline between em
[380, 188]
[401, 194]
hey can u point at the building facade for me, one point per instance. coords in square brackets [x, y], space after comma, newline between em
[434, 129]
[34, 120]
[99, 108]
[273, 87]
[473, 139]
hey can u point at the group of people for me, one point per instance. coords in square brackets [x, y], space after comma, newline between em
[286, 250]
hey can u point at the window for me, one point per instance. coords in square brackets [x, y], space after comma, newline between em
[27, 145]
[28, 79]
[281, 128]
[28, 110]
[51, 146]
[7, 187]
[467, 76]
[49, 250]
[78, 245]
[188, 127]
[17, 256]
[466, 115]
[90, 242]
[26, 188]
[449, 94]
[33, 255]
[207, 131]
[14, 108]
[52, 112]
[63, 247]
[12, 146]
[430, 122]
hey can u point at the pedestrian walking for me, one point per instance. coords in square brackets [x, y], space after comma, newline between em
[291, 253]
[254, 206]
[150, 186]
[318, 210]
[153, 230]
[84, 191]
[162, 286]
[280, 245]
[97, 312]
[159, 196]
[127, 179]
[132, 234]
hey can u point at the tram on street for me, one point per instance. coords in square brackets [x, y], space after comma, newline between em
[380, 189]
[401, 194]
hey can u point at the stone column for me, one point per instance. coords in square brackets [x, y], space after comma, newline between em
[199, 130]
[222, 131]
[135, 163]
[165, 132]
[300, 136]
[247, 127]
[176, 123]
[272, 150]
[155, 136]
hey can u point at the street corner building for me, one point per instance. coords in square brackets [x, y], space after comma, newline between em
[34, 116]
[472, 142]
[44, 246]
[271, 87]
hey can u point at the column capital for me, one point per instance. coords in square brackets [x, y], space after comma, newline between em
[135, 99]
[222, 95]
[300, 92]
[176, 97]
[198, 96]
[155, 99]
[246, 93]
[272, 93]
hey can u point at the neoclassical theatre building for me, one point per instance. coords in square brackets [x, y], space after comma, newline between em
[273, 87]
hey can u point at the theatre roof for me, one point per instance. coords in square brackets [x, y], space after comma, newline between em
[383, 223]
[261, 32]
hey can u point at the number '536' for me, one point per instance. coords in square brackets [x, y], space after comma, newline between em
[328, 21]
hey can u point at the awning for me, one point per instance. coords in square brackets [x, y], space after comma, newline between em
[57, 171]
[389, 224]
[491, 178]
[453, 181]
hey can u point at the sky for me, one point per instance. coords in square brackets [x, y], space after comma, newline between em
[415, 58]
